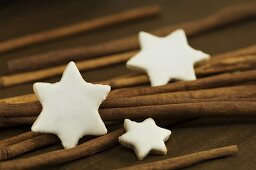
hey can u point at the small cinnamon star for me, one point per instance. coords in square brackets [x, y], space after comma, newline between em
[70, 107]
[144, 137]
[166, 58]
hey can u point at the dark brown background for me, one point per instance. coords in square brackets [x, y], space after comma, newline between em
[23, 17]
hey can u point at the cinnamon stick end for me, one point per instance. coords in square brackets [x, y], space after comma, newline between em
[234, 149]
[3, 154]
[1, 82]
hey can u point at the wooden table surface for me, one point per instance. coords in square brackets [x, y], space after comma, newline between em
[23, 17]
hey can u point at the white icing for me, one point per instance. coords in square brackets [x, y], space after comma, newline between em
[70, 107]
[144, 137]
[166, 58]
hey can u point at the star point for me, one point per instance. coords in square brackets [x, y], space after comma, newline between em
[70, 107]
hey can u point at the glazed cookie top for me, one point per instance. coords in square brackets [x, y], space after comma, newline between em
[166, 58]
[145, 137]
[70, 107]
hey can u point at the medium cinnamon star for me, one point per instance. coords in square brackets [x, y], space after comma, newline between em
[166, 58]
[70, 107]
[144, 137]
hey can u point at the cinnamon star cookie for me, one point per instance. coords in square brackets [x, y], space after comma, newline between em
[166, 58]
[145, 137]
[70, 107]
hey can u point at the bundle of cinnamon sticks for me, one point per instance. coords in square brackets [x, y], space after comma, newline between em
[220, 91]
[224, 95]
[220, 18]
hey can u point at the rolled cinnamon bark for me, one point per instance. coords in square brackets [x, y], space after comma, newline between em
[223, 17]
[76, 28]
[184, 110]
[18, 138]
[5, 126]
[221, 80]
[35, 142]
[215, 65]
[227, 64]
[20, 99]
[186, 160]
[18, 120]
[32, 97]
[25, 109]
[202, 83]
[10, 111]
[60, 156]
[220, 108]
[195, 96]
[29, 144]
[239, 52]
[212, 66]
[135, 80]
[20, 78]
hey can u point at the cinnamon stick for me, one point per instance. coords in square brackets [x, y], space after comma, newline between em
[18, 138]
[130, 112]
[29, 120]
[15, 79]
[26, 145]
[15, 120]
[202, 83]
[31, 143]
[223, 17]
[215, 65]
[183, 110]
[4, 125]
[221, 108]
[20, 99]
[186, 160]
[244, 92]
[26, 142]
[14, 110]
[237, 60]
[135, 80]
[76, 28]
[239, 52]
[221, 80]
[227, 64]
[32, 97]
[60, 156]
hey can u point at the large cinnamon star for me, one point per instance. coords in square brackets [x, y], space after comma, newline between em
[166, 58]
[144, 137]
[70, 107]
